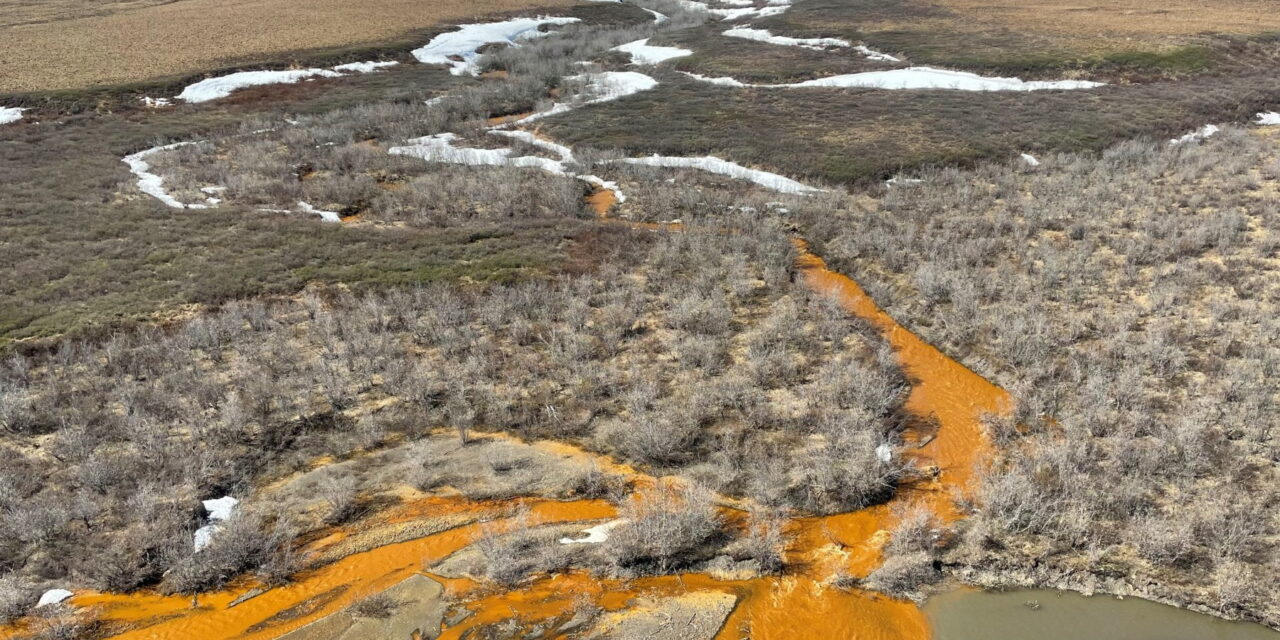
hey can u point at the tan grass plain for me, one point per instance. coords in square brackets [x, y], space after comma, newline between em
[73, 44]
[1126, 18]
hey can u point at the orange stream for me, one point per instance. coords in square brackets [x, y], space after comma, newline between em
[601, 200]
[798, 605]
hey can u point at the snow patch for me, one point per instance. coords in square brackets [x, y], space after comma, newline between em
[10, 114]
[600, 87]
[156, 103]
[644, 53]
[916, 78]
[1268, 118]
[53, 596]
[1203, 133]
[723, 81]
[457, 49]
[327, 216]
[752, 12]
[611, 85]
[565, 153]
[930, 78]
[897, 180]
[692, 5]
[364, 67]
[658, 18]
[875, 55]
[712, 164]
[440, 148]
[763, 35]
[222, 86]
[152, 184]
[596, 534]
[220, 508]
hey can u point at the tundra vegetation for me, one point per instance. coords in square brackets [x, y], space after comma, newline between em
[1127, 301]
[688, 353]
[1123, 296]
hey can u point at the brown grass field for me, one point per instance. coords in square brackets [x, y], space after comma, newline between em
[73, 44]
[1127, 18]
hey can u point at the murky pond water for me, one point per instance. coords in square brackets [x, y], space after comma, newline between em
[1041, 614]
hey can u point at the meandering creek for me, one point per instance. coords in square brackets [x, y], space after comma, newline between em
[951, 398]
[790, 606]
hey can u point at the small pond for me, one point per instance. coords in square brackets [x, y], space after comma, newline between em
[1035, 614]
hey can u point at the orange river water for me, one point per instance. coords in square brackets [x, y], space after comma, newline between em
[799, 604]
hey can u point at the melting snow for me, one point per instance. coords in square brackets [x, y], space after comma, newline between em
[152, 184]
[930, 78]
[1268, 118]
[596, 534]
[611, 85]
[440, 148]
[692, 5]
[10, 114]
[364, 67]
[156, 103]
[1202, 133]
[658, 18]
[896, 180]
[565, 153]
[644, 53]
[53, 596]
[601, 87]
[327, 216]
[763, 35]
[916, 78]
[219, 510]
[222, 86]
[758, 12]
[715, 165]
[722, 81]
[875, 55]
[457, 49]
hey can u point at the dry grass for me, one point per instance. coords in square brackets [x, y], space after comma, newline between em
[70, 44]
[1126, 18]
[1114, 40]
[1127, 301]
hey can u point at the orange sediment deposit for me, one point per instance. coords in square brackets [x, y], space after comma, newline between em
[804, 603]
[941, 389]
[314, 594]
[822, 548]
[601, 200]
[501, 120]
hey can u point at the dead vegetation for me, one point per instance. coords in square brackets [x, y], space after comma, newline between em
[689, 353]
[1126, 300]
